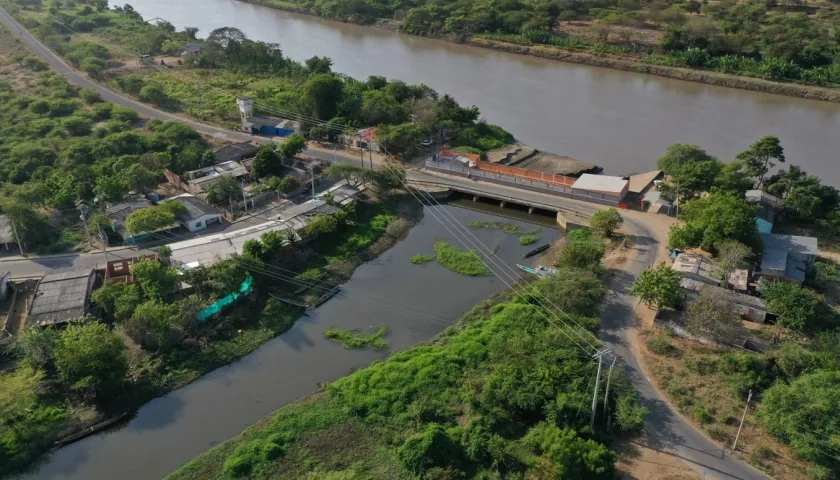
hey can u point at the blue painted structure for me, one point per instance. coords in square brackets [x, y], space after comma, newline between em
[274, 131]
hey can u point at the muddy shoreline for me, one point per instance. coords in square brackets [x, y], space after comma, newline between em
[617, 63]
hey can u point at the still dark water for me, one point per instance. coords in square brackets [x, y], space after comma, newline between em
[415, 301]
[620, 120]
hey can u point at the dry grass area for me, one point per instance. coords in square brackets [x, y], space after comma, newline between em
[707, 401]
[645, 35]
[21, 78]
[638, 462]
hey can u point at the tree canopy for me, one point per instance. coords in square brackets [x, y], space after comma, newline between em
[91, 358]
[154, 218]
[713, 219]
[659, 287]
[606, 221]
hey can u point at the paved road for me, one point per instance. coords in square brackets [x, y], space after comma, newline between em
[81, 80]
[667, 431]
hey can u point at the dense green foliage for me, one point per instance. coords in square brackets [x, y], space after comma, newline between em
[49, 164]
[464, 262]
[528, 239]
[605, 222]
[580, 249]
[504, 392]
[659, 287]
[355, 338]
[420, 259]
[713, 219]
[91, 359]
[155, 217]
[231, 65]
[777, 41]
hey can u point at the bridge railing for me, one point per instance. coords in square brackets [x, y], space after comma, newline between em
[528, 183]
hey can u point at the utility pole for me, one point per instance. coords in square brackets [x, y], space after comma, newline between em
[361, 151]
[607, 391]
[244, 198]
[81, 207]
[104, 245]
[21, 246]
[312, 181]
[677, 200]
[370, 156]
[735, 443]
[600, 356]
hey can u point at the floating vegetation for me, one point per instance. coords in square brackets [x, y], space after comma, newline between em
[459, 261]
[528, 239]
[506, 227]
[421, 259]
[355, 338]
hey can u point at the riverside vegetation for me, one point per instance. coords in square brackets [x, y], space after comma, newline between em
[100, 41]
[796, 381]
[355, 338]
[150, 341]
[791, 42]
[501, 394]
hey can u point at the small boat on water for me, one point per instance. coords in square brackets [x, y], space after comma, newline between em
[537, 250]
[539, 271]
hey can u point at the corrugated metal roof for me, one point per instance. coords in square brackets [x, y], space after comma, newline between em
[61, 296]
[774, 260]
[196, 207]
[600, 183]
[790, 243]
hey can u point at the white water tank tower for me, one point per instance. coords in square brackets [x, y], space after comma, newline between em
[246, 107]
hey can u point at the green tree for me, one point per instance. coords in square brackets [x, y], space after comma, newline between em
[692, 170]
[154, 218]
[320, 95]
[403, 140]
[164, 253]
[760, 158]
[354, 175]
[91, 359]
[713, 219]
[289, 184]
[36, 345]
[825, 274]
[155, 324]
[110, 188]
[584, 254]
[729, 256]
[224, 190]
[605, 222]
[378, 107]
[734, 178]
[571, 290]
[567, 455]
[659, 287]
[804, 414]
[33, 227]
[267, 162]
[293, 145]
[797, 307]
[712, 315]
[430, 448]
[139, 179]
[156, 280]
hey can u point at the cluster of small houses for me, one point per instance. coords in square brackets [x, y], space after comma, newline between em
[62, 296]
[785, 258]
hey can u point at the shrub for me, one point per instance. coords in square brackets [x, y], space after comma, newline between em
[660, 345]
[356, 339]
[703, 416]
[702, 364]
[431, 448]
[629, 414]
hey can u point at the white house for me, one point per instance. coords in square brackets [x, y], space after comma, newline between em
[199, 214]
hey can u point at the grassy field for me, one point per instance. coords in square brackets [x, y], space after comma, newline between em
[699, 384]
[355, 338]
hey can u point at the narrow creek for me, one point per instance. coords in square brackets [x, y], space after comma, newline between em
[416, 302]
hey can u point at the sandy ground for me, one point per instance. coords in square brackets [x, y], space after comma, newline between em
[639, 462]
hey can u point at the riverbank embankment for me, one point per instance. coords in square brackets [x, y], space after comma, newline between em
[616, 62]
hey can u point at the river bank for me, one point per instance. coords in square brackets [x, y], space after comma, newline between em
[604, 60]
[246, 327]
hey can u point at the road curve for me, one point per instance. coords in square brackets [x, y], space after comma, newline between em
[667, 431]
[80, 79]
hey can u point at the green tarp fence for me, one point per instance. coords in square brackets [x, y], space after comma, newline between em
[218, 305]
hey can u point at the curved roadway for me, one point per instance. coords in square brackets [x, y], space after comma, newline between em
[667, 431]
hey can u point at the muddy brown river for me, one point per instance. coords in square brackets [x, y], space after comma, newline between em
[620, 120]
